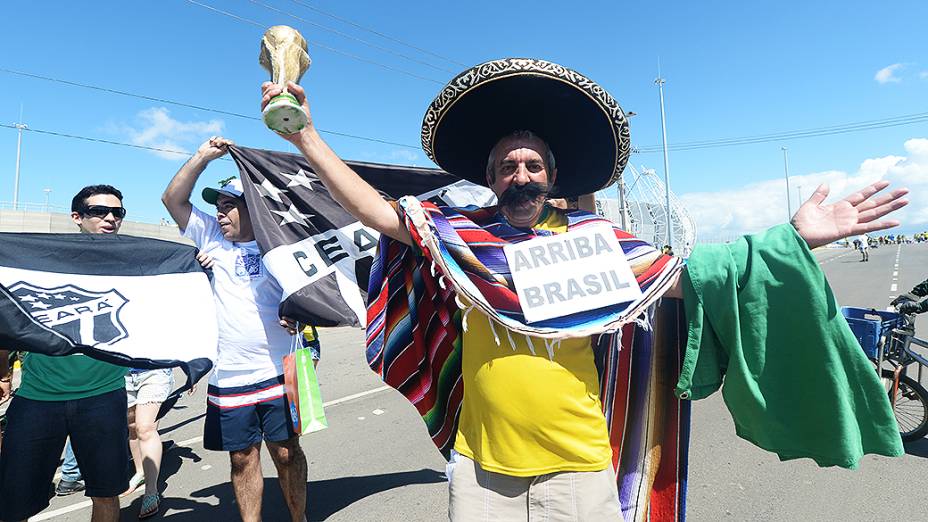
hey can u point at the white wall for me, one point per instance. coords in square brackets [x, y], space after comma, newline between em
[56, 222]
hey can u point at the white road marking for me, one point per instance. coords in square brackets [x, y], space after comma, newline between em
[87, 503]
[205, 467]
[830, 259]
[52, 514]
[189, 442]
[895, 286]
[355, 396]
[378, 412]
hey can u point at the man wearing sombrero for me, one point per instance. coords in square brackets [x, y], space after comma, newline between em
[586, 417]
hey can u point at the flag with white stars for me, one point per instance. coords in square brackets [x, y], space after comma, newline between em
[318, 252]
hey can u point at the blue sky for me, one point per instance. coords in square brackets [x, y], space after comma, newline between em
[733, 69]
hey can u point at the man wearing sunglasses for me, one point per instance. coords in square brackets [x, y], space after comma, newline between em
[74, 397]
[101, 212]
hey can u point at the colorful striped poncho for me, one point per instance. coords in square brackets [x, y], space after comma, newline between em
[417, 310]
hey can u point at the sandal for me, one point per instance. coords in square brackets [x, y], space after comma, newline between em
[150, 505]
[137, 480]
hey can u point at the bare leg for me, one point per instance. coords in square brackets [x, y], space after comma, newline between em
[149, 443]
[248, 482]
[105, 509]
[134, 442]
[290, 461]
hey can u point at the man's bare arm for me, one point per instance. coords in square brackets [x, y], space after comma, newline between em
[348, 189]
[819, 224]
[4, 363]
[176, 197]
[6, 375]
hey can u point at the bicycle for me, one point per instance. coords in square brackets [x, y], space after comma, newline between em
[887, 338]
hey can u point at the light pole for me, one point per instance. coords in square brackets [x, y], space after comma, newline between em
[620, 188]
[799, 193]
[789, 210]
[660, 87]
[47, 191]
[19, 143]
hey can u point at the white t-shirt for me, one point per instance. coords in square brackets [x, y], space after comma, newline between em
[251, 340]
[864, 241]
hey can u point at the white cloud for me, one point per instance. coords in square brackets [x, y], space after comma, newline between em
[157, 129]
[887, 74]
[923, 75]
[754, 207]
[404, 155]
[396, 156]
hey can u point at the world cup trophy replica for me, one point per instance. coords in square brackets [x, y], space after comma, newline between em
[284, 55]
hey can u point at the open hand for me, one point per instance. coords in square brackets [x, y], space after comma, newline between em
[856, 214]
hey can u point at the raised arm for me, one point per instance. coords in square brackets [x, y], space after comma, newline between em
[347, 188]
[820, 224]
[176, 197]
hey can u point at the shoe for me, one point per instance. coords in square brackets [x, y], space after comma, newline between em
[69, 487]
[150, 505]
[137, 480]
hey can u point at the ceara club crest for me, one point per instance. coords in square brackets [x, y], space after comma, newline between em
[85, 316]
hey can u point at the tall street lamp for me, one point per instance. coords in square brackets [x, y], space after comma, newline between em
[47, 191]
[660, 87]
[19, 143]
[789, 210]
[620, 188]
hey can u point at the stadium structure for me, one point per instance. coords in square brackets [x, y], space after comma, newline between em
[637, 203]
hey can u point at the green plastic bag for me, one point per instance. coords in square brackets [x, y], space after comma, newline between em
[303, 395]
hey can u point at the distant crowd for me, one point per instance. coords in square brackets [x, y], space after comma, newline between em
[892, 239]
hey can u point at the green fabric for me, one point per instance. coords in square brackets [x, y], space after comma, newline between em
[765, 327]
[921, 290]
[68, 377]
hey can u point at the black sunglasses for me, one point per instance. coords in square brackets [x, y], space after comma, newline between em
[101, 211]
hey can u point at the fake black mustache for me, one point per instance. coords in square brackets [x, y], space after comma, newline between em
[518, 194]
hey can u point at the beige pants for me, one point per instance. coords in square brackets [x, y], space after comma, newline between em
[477, 495]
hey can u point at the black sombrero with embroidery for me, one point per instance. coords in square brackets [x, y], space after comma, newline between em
[585, 127]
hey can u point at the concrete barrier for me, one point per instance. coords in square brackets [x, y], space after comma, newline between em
[58, 223]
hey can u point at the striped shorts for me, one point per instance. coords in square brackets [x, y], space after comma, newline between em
[242, 416]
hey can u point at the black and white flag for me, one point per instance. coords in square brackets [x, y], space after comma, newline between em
[318, 252]
[130, 301]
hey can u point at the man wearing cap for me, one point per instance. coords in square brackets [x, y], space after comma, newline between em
[577, 417]
[245, 399]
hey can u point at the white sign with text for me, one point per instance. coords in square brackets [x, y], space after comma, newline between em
[572, 272]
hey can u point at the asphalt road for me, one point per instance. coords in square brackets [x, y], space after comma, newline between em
[376, 463]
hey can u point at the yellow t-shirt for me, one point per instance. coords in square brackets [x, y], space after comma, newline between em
[525, 415]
